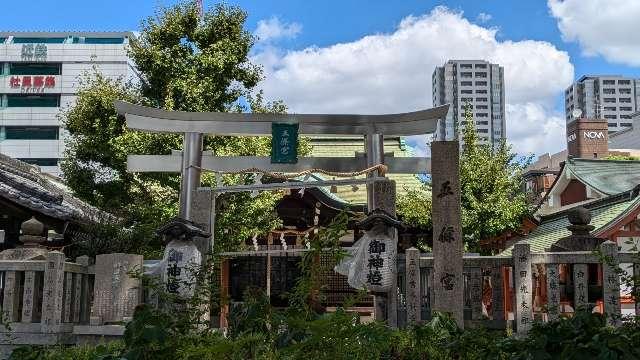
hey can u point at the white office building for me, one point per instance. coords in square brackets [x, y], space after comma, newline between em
[611, 97]
[477, 84]
[39, 76]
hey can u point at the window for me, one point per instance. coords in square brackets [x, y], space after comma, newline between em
[31, 132]
[626, 124]
[482, 115]
[466, 66]
[612, 124]
[482, 122]
[41, 161]
[624, 91]
[464, 106]
[609, 91]
[20, 100]
[610, 100]
[482, 107]
[625, 108]
[482, 99]
[466, 83]
[610, 108]
[625, 100]
[466, 91]
[483, 131]
[481, 83]
[608, 82]
[481, 74]
[625, 116]
[610, 117]
[465, 74]
[624, 82]
[481, 66]
[481, 91]
[77, 40]
[35, 69]
[36, 40]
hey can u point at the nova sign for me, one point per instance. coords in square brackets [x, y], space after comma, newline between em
[32, 84]
[591, 135]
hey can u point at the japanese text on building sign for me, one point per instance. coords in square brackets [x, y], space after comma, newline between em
[37, 52]
[284, 143]
[32, 84]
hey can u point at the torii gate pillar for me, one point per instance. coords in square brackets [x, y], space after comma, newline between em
[191, 172]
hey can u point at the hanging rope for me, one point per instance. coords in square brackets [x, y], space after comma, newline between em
[381, 168]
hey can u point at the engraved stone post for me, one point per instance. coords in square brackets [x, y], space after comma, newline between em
[581, 287]
[116, 294]
[553, 291]
[53, 292]
[447, 230]
[68, 296]
[10, 301]
[84, 303]
[414, 306]
[475, 289]
[497, 300]
[611, 283]
[28, 301]
[523, 287]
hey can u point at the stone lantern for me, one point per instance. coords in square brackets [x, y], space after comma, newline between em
[32, 239]
[580, 238]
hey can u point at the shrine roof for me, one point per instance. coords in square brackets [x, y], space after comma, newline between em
[325, 146]
[26, 186]
[606, 176]
[605, 213]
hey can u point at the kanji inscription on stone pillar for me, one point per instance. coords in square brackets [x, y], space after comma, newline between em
[553, 291]
[581, 287]
[414, 303]
[497, 300]
[447, 230]
[53, 292]
[523, 287]
[611, 283]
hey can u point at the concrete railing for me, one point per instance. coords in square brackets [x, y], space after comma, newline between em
[524, 287]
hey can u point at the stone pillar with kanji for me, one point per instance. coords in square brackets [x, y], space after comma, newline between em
[447, 230]
[523, 287]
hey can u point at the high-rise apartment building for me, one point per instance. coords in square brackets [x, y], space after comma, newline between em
[39, 76]
[610, 97]
[477, 84]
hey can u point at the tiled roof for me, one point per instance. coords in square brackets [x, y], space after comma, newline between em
[323, 146]
[606, 176]
[24, 185]
[604, 213]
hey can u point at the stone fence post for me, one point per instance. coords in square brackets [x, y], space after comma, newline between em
[53, 292]
[611, 283]
[412, 281]
[523, 287]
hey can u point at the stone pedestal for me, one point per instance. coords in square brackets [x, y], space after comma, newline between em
[413, 286]
[116, 294]
[447, 230]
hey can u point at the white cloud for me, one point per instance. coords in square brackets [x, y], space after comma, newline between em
[273, 29]
[386, 73]
[483, 17]
[601, 27]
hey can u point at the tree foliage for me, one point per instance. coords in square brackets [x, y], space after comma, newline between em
[492, 196]
[183, 63]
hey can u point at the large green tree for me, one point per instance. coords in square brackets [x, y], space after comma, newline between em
[492, 196]
[187, 63]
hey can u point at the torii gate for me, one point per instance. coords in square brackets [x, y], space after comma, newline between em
[443, 166]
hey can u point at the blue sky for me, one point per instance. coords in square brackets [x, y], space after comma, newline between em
[523, 33]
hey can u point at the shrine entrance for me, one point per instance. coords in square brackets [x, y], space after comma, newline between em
[197, 204]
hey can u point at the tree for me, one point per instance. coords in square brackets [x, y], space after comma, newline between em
[492, 196]
[187, 64]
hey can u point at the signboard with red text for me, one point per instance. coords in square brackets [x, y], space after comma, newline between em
[31, 84]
